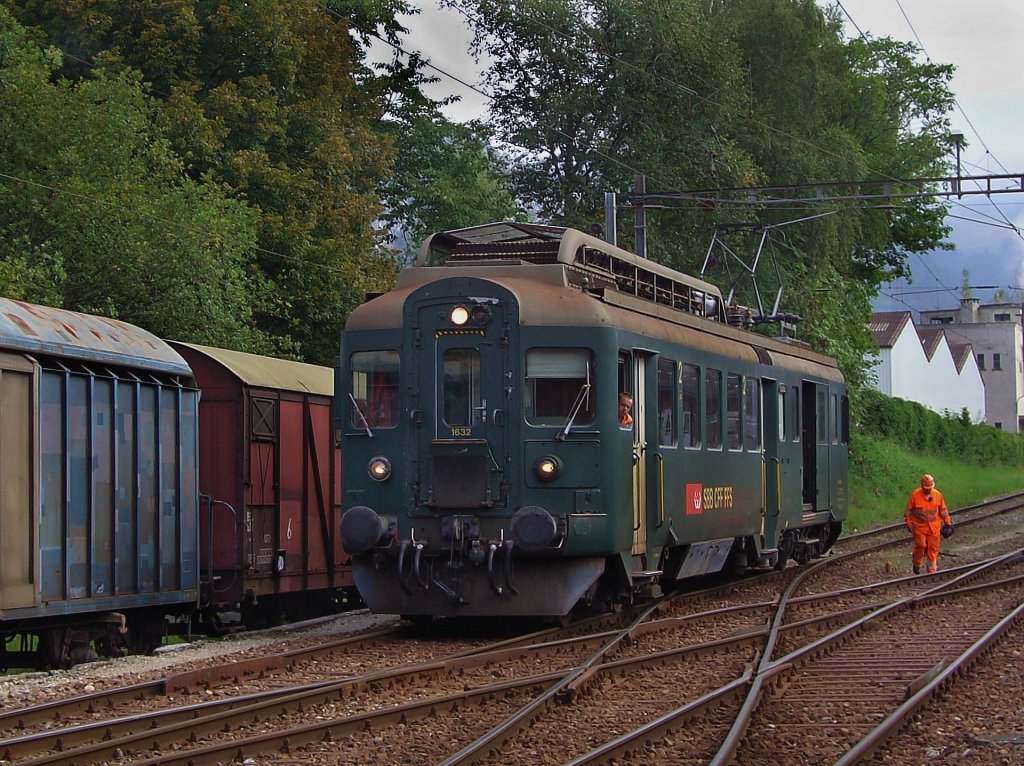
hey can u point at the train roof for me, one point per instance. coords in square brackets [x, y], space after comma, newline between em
[267, 372]
[608, 286]
[30, 328]
[579, 259]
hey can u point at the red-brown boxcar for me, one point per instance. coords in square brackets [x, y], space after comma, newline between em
[269, 478]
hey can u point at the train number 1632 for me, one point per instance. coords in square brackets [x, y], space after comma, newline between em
[457, 432]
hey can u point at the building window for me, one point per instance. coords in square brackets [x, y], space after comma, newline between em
[999, 425]
[1002, 317]
[997, 362]
[941, 320]
[981, 361]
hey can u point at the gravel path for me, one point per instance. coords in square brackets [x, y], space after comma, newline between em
[33, 688]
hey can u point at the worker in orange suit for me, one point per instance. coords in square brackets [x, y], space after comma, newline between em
[925, 516]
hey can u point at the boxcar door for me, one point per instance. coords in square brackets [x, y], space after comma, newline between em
[463, 373]
[18, 482]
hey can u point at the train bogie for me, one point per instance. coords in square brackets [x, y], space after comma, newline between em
[99, 510]
[489, 468]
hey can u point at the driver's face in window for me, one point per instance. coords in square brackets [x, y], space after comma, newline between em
[625, 409]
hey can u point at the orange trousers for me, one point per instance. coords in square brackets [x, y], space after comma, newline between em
[926, 544]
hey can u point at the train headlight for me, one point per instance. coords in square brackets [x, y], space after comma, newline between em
[459, 316]
[379, 468]
[547, 468]
[481, 314]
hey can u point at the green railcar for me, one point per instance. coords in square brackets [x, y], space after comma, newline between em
[486, 470]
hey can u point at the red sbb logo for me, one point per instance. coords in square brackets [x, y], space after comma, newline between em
[694, 499]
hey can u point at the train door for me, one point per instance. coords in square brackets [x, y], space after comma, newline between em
[771, 461]
[18, 482]
[632, 378]
[815, 445]
[464, 369]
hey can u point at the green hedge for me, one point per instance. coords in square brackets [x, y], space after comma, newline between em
[919, 429]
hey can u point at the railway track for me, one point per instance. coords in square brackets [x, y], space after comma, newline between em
[623, 686]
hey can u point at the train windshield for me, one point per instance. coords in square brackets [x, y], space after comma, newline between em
[375, 389]
[556, 378]
[463, 395]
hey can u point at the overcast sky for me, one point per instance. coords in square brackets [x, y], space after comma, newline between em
[980, 37]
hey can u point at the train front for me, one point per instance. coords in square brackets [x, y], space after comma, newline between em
[445, 504]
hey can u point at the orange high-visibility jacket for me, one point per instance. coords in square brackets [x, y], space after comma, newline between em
[924, 512]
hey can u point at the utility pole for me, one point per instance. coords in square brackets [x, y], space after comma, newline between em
[610, 219]
[957, 139]
[638, 196]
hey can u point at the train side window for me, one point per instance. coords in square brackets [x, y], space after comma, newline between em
[374, 389]
[666, 403]
[732, 407]
[625, 373]
[752, 415]
[559, 381]
[821, 415]
[713, 407]
[462, 395]
[845, 434]
[797, 415]
[262, 418]
[835, 418]
[691, 406]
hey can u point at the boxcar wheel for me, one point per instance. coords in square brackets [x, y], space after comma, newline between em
[418, 619]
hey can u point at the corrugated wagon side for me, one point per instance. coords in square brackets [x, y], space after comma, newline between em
[271, 490]
[98, 486]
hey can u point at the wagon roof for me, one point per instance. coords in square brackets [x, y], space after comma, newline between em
[268, 372]
[30, 328]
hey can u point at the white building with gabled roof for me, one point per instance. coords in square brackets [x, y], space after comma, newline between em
[996, 335]
[924, 365]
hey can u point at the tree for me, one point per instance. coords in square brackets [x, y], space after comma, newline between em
[96, 214]
[586, 93]
[712, 94]
[446, 177]
[271, 102]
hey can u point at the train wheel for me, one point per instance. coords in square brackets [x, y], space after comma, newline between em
[54, 648]
[786, 545]
[418, 619]
[833, 530]
[145, 633]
